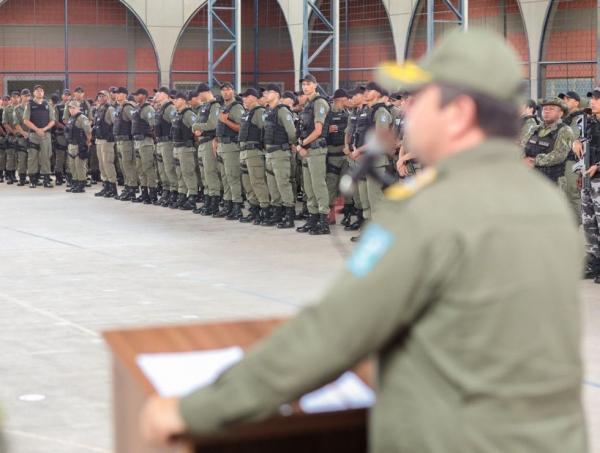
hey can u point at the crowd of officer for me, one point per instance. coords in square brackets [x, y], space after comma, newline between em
[280, 155]
[561, 139]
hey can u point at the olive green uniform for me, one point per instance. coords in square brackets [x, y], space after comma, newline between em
[314, 171]
[164, 155]
[337, 165]
[467, 293]
[106, 151]
[79, 162]
[279, 165]
[230, 154]
[383, 120]
[206, 155]
[7, 119]
[21, 140]
[187, 158]
[145, 163]
[529, 125]
[126, 152]
[39, 149]
[252, 164]
[570, 182]
[561, 148]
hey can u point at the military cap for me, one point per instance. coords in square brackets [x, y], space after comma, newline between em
[103, 93]
[55, 98]
[202, 88]
[66, 91]
[6, 97]
[557, 102]
[172, 94]
[180, 95]
[478, 60]
[140, 91]
[162, 90]
[290, 95]
[130, 98]
[112, 89]
[79, 89]
[340, 93]
[273, 87]
[595, 93]
[73, 104]
[25, 92]
[396, 96]
[250, 92]
[15, 93]
[308, 78]
[570, 95]
[376, 87]
[122, 90]
[226, 85]
[35, 87]
[355, 91]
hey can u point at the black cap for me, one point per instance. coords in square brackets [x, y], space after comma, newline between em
[163, 90]
[180, 95]
[374, 86]
[202, 88]
[67, 92]
[273, 87]
[35, 87]
[79, 90]
[570, 95]
[226, 85]
[396, 96]
[250, 92]
[340, 93]
[308, 78]
[594, 93]
[122, 90]
[290, 95]
[15, 93]
[6, 97]
[25, 92]
[130, 98]
[140, 91]
[112, 90]
[172, 94]
[54, 98]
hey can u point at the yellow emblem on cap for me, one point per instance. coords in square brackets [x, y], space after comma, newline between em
[408, 72]
[409, 187]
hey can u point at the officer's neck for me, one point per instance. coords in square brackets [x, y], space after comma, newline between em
[374, 101]
[274, 104]
[251, 106]
[38, 100]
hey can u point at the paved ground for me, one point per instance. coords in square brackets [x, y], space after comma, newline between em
[72, 266]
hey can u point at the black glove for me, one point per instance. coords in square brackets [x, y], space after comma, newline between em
[84, 151]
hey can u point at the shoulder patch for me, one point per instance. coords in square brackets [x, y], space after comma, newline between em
[405, 190]
[372, 247]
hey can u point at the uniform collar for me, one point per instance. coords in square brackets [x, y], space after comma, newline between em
[486, 153]
[553, 127]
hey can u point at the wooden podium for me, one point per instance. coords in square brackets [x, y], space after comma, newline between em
[296, 433]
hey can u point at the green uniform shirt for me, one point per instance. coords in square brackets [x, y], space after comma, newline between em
[27, 112]
[287, 121]
[467, 293]
[213, 119]
[562, 146]
[148, 114]
[321, 110]
[18, 117]
[169, 113]
[527, 129]
[84, 123]
[189, 118]
[7, 117]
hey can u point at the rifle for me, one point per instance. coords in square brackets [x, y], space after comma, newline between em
[586, 149]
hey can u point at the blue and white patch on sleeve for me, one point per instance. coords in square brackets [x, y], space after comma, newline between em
[372, 247]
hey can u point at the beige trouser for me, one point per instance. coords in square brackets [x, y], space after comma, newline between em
[106, 159]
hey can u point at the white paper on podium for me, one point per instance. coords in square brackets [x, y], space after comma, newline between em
[178, 374]
[348, 392]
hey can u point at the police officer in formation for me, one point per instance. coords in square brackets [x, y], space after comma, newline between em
[105, 144]
[142, 130]
[78, 133]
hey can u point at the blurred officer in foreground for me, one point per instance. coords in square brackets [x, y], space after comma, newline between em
[475, 326]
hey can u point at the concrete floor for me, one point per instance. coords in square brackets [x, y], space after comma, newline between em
[72, 266]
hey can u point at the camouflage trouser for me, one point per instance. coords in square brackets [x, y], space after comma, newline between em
[590, 216]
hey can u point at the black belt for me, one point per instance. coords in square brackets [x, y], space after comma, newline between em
[273, 148]
[204, 140]
[228, 140]
[139, 138]
[339, 154]
[163, 139]
[319, 143]
[188, 144]
[122, 138]
[250, 146]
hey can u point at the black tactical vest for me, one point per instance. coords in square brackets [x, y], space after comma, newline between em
[222, 129]
[307, 119]
[354, 113]
[203, 116]
[249, 132]
[163, 127]
[543, 145]
[60, 109]
[365, 122]
[75, 135]
[39, 114]
[139, 126]
[181, 134]
[102, 129]
[339, 119]
[121, 127]
[85, 108]
[593, 133]
[274, 132]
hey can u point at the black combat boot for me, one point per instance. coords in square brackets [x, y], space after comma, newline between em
[158, 201]
[47, 182]
[262, 215]
[266, 214]
[78, 187]
[276, 216]
[359, 221]
[180, 201]
[592, 268]
[10, 177]
[288, 220]
[201, 209]
[201, 197]
[60, 180]
[33, 182]
[171, 200]
[322, 226]
[152, 196]
[212, 203]
[236, 212]
[165, 198]
[22, 180]
[69, 177]
[347, 211]
[304, 214]
[112, 190]
[124, 193]
[224, 212]
[143, 196]
[103, 191]
[190, 203]
[2, 175]
[312, 221]
[252, 214]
